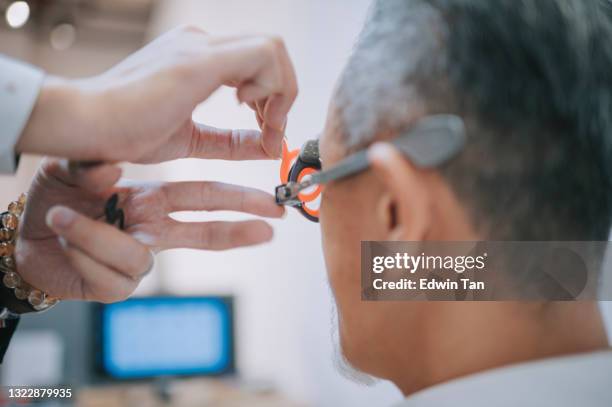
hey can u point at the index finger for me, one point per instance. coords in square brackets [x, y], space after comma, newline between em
[261, 69]
[278, 105]
[211, 196]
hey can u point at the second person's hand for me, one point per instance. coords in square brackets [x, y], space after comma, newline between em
[140, 110]
[93, 260]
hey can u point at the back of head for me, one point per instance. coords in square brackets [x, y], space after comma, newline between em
[532, 81]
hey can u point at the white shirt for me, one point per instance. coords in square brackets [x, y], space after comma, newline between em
[19, 87]
[578, 380]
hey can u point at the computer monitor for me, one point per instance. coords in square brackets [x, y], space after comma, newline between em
[166, 336]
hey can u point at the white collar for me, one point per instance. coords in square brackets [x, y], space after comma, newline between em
[577, 380]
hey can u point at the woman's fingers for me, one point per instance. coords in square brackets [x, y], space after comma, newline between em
[279, 103]
[212, 196]
[272, 141]
[215, 235]
[102, 242]
[261, 69]
[271, 136]
[277, 106]
[100, 283]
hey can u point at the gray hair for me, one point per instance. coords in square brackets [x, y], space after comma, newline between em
[531, 79]
[378, 85]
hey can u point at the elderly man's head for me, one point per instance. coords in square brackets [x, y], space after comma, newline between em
[531, 79]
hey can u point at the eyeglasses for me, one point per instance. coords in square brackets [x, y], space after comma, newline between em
[432, 141]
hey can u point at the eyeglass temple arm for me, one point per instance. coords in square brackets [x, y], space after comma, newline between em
[434, 140]
[349, 166]
[431, 142]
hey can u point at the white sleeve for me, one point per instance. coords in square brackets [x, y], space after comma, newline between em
[19, 87]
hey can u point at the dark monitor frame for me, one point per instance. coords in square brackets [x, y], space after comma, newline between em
[102, 375]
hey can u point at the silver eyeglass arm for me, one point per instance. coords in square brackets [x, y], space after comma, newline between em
[431, 142]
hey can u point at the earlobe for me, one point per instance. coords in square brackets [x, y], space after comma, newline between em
[407, 206]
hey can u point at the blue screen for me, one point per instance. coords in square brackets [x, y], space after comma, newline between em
[147, 337]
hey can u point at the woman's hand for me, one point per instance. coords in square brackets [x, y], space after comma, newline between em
[140, 110]
[92, 260]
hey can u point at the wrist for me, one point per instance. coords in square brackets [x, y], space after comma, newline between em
[58, 120]
[15, 293]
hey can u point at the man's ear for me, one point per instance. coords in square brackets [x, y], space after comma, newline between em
[406, 208]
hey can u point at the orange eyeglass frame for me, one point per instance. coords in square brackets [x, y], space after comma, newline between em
[428, 143]
[294, 167]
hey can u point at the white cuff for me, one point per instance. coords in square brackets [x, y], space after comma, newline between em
[19, 87]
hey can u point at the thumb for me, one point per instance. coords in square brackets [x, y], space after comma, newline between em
[227, 144]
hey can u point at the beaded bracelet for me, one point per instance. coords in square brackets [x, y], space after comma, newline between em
[29, 298]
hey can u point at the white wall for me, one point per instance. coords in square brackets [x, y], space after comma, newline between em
[284, 302]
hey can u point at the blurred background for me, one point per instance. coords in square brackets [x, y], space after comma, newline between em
[280, 305]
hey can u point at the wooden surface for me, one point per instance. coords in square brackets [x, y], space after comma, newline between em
[183, 393]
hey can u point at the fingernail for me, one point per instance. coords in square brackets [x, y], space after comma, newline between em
[59, 217]
[273, 115]
[269, 235]
[145, 238]
[62, 242]
[273, 123]
[378, 151]
[282, 124]
[271, 135]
